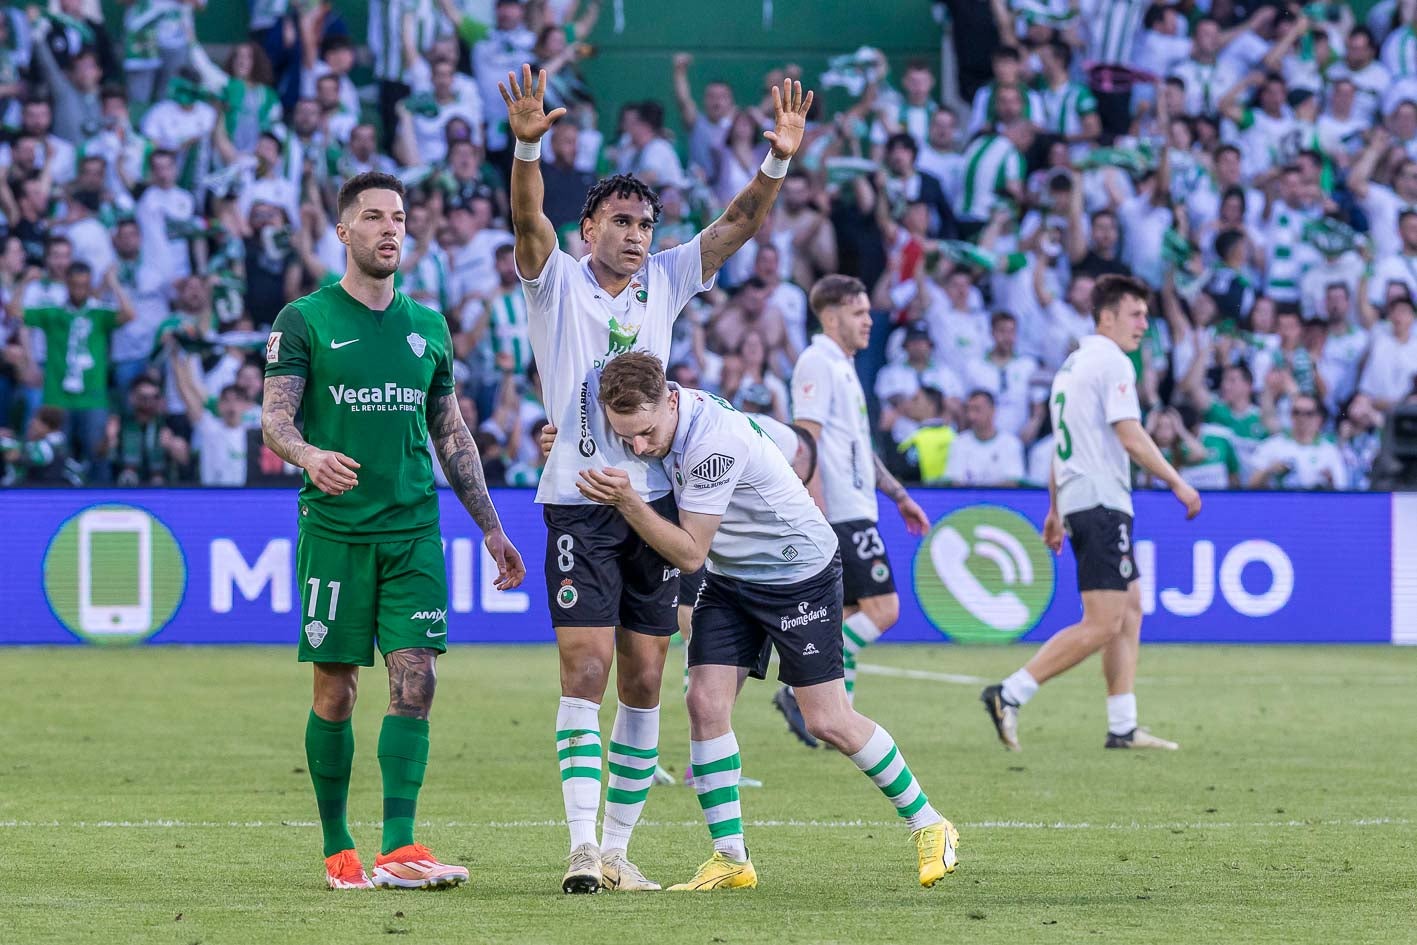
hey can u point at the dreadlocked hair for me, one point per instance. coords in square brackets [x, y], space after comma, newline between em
[621, 185]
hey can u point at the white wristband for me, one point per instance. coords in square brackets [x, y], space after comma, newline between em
[527, 150]
[775, 167]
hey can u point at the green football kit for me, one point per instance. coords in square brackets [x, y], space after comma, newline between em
[370, 562]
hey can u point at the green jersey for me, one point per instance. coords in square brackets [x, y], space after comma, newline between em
[76, 339]
[368, 379]
[1245, 431]
[1212, 468]
[1247, 426]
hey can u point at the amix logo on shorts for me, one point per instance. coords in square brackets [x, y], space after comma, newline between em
[983, 575]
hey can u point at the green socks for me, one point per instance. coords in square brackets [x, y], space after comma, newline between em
[329, 754]
[403, 757]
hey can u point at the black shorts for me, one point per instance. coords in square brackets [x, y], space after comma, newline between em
[865, 569]
[690, 584]
[1102, 543]
[600, 573]
[735, 618]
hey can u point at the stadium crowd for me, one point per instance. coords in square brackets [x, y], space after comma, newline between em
[1254, 163]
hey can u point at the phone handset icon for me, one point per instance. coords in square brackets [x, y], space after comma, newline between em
[950, 553]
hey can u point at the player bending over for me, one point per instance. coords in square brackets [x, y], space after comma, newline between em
[371, 372]
[1096, 423]
[610, 594]
[800, 451]
[774, 573]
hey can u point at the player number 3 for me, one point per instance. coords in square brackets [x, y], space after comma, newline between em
[1065, 438]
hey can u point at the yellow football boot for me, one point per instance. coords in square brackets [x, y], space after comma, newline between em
[935, 847]
[721, 873]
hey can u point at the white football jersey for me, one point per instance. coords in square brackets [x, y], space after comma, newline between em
[771, 531]
[994, 462]
[1095, 388]
[575, 328]
[826, 390]
[782, 435]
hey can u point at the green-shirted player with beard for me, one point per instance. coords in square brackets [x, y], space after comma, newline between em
[370, 371]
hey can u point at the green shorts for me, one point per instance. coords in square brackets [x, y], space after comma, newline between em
[395, 591]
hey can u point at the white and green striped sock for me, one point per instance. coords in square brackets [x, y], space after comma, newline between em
[634, 751]
[578, 751]
[883, 763]
[857, 632]
[717, 767]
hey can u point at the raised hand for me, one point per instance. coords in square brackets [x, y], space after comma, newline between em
[790, 108]
[526, 109]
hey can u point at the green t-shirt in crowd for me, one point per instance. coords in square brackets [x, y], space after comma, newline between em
[369, 378]
[1247, 426]
[76, 367]
[1212, 468]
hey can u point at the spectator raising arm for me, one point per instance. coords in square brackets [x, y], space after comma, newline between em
[190, 388]
[1361, 173]
[683, 93]
[124, 308]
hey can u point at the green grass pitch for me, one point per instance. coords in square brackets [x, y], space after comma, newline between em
[160, 795]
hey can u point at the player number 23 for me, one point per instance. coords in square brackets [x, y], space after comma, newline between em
[868, 543]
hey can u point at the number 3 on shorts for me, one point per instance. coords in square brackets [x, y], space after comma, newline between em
[564, 559]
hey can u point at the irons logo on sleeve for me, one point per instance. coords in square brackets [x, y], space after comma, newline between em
[712, 469]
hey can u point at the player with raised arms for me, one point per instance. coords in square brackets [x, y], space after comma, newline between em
[1096, 423]
[774, 573]
[611, 596]
[828, 402]
[370, 371]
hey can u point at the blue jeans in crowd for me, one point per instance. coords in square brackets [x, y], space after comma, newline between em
[85, 430]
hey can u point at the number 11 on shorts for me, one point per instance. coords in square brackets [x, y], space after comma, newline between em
[333, 586]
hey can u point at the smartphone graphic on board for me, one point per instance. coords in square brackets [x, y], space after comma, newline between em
[115, 571]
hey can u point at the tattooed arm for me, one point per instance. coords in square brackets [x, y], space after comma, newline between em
[916, 521]
[332, 473]
[745, 214]
[462, 464]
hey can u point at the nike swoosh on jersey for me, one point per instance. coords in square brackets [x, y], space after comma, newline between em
[430, 633]
[336, 345]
